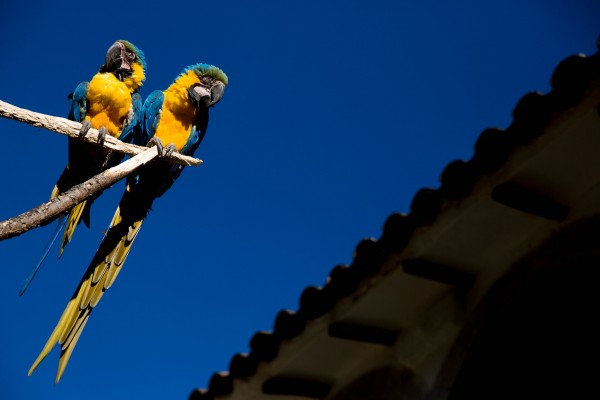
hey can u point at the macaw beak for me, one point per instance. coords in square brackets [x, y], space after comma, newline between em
[216, 93]
[202, 96]
[115, 58]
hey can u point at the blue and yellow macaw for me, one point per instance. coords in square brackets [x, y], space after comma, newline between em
[110, 102]
[177, 116]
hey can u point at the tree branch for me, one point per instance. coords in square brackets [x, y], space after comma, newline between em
[47, 212]
[71, 129]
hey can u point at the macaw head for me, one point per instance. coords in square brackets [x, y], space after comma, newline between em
[208, 86]
[127, 63]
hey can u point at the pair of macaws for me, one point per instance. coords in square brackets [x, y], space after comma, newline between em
[173, 120]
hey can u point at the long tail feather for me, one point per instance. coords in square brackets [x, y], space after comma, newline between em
[99, 276]
[56, 333]
[61, 224]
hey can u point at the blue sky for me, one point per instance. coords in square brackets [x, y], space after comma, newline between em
[336, 114]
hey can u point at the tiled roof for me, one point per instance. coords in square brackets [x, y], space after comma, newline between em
[522, 184]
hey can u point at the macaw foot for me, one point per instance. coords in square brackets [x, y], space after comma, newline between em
[102, 135]
[162, 150]
[170, 150]
[154, 141]
[85, 127]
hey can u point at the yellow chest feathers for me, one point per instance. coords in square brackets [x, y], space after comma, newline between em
[109, 102]
[178, 113]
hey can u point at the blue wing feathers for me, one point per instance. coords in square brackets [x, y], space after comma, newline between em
[152, 112]
[132, 129]
[79, 102]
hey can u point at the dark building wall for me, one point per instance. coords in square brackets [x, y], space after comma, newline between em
[536, 334]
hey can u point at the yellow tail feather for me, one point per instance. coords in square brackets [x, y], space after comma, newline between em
[66, 352]
[100, 276]
[74, 217]
[58, 330]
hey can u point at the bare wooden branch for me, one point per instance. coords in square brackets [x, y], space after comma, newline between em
[49, 211]
[71, 128]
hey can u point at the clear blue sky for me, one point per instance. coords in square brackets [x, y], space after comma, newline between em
[336, 114]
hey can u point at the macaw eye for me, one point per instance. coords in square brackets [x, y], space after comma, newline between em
[130, 57]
